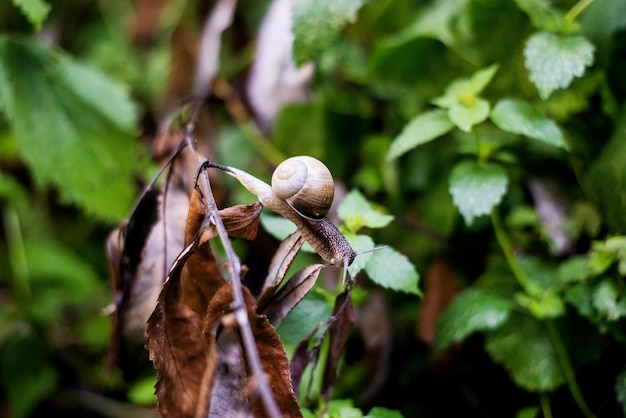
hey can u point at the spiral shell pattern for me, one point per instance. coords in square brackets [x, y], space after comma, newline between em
[306, 184]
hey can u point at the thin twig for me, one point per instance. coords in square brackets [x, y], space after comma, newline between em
[241, 313]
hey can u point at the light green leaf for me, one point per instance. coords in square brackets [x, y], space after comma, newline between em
[316, 24]
[393, 270]
[523, 347]
[35, 11]
[73, 126]
[466, 116]
[359, 243]
[555, 60]
[356, 212]
[609, 299]
[547, 305]
[421, 129]
[521, 118]
[465, 91]
[477, 189]
[471, 311]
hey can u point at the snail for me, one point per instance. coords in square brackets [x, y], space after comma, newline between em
[302, 191]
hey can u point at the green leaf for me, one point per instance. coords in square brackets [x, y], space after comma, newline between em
[476, 189]
[421, 129]
[392, 270]
[35, 11]
[359, 243]
[316, 24]
[523, 347]
[464, 91]
[471, 311]
[541, 13]
[547, 305]
[380, 412]
[466, 116]
[309, 312]
[356, 212]
[555, 60]
[142, 392]
[73, 126]
[609, 299]
[523, 119]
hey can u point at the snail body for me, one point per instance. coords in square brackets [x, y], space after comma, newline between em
[302, 191]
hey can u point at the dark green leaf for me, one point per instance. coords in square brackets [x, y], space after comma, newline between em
[303, 318]
[469, 312]
[521, 118]
[523, 347]
[380, 412]
[72, 125]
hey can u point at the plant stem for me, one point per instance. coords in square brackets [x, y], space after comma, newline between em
[507, 249]
[577, 9]
[568, 370]
[241, 313]
[545, 405]
[17, 254]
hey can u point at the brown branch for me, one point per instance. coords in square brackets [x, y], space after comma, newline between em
[241, 314]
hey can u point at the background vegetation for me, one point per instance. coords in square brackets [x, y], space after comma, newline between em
[493, 131]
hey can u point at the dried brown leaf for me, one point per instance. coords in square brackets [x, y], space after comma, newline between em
[231, 384]
[177, 350]
[440, 287]
[337, 336]
[281, 261]
[280, 304]
[241, 221]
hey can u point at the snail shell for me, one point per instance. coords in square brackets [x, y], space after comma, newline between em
[306, 184]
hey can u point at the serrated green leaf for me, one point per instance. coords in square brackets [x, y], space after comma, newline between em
[73, 126]
[392, 270]
[477, 189]
[316, 24]
[466, 116]
[555, 60]
[523, 347]
[359, 243]
[35, 11]
[523, 119]
[471, 311]
[421, 129]
[356, 212]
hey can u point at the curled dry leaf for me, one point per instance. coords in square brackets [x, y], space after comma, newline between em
[177, 351]
[281, 261]
[282, 302]
[228, 392]
[140, 254]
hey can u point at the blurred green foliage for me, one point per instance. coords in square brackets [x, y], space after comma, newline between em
[491, 132]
